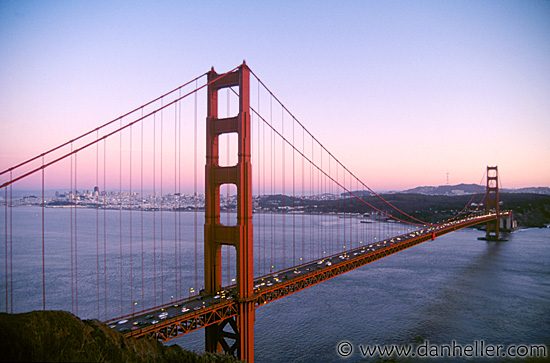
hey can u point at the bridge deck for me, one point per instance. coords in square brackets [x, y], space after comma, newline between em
[170, 321]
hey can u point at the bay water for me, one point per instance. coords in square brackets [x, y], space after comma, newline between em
[454, 290]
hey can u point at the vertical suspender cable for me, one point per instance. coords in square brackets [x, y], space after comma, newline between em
[130, 200]
[303, 195]
[264, 214]
[257, 162]
[154, 208]
[6, 242]
[141, 198]
[258, 183]
[75, 233]
[338, 197]
[331, 206]
[176, 197]
[120, 216]
[161, 208]
[357, 207]
[282, 173]
[71, 196]
[195, 192]
[345, 209]
[11, 244]
[311, 204]
[96, 190]
[272, 264]
[179, 197]
[293, 197]
[105, 223]
[321, 210]
[283, 180]
[43, 245]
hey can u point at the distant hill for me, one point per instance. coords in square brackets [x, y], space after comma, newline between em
[462, 189]
[459, 189]
[531, 190]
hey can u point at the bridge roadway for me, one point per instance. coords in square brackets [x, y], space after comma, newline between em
[178, 318]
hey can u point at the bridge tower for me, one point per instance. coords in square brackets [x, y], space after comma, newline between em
[492, 202]
[240, 340]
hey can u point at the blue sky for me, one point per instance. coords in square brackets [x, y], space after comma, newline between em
[401, 92]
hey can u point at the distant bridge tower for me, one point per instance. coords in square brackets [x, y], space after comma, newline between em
[492, 202]
[240, 340]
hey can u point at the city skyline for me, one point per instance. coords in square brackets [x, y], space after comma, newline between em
[419, 93]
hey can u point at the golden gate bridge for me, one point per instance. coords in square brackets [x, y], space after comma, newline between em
[132, 238]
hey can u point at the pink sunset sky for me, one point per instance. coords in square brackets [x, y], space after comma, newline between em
[402, 93]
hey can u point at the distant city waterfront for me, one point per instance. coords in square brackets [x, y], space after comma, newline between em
[166, 202]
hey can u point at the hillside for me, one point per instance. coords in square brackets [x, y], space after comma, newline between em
[59, 336]
[461, 189]
[530, 210]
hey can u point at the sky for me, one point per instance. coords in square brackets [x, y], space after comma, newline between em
[403, 93]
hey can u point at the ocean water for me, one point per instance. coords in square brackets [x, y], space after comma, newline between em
[454, 289]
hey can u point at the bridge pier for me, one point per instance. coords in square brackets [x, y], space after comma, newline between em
[507, 222]
[239, 236]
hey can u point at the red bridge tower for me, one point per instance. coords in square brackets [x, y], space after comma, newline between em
[241, 338]
[492, 203]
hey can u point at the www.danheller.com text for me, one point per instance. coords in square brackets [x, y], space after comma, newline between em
[477, 349]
